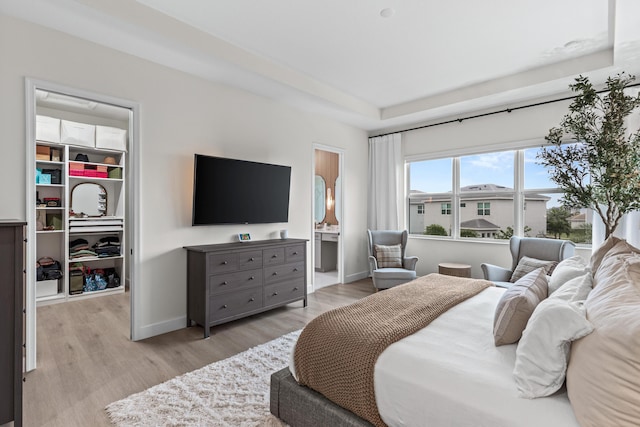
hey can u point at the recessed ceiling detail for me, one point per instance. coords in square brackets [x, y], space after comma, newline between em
[339, 59]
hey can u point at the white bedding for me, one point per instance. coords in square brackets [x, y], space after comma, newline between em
[451, 374]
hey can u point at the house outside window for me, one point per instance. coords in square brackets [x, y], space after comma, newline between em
[484, 208]
[420, 209]
[445, 208]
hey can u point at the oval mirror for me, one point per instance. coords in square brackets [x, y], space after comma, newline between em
[319, 199]
[89, 199]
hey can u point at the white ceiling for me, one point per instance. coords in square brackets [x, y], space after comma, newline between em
[430, 59]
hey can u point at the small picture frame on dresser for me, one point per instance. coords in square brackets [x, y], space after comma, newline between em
[244, 237]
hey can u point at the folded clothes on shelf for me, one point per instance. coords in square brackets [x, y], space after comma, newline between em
[78, 245]
[107, 246]
[82, 254]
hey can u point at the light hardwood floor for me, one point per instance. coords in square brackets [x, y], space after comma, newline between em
[86, 360]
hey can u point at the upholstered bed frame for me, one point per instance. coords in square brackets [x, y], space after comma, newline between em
[302, 407]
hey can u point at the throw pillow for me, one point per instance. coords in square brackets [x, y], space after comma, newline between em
[566, 270]
[576, 289]
[543, 352]
[389, 256]
[516, 306]
[603, 373]
[527, 265]
[598, 254]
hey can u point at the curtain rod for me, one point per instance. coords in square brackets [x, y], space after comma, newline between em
[506, 110]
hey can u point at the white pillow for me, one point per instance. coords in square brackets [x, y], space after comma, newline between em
[543, 351]
[566, 270]
[576, 289]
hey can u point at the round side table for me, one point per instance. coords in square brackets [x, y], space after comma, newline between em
[454, 269]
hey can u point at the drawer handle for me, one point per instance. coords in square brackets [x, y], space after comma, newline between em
[275, 293]
[295, 269]
[275, 256]
[295, 289]
[224, 283]
[251, 278]
[224, 262]
[224, 306]
[275, 273]
[252, 299]
[295, 253]
[251, 259]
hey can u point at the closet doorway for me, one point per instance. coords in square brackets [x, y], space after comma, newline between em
[328, 218]
[76, 141]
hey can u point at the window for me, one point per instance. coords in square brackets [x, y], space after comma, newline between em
[498, 207]
[420, 209]
[484, 208]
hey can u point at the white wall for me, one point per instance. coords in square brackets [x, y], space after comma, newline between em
[180, 115]
[489, 133]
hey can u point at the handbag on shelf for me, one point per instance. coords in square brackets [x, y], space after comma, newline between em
[48, 268]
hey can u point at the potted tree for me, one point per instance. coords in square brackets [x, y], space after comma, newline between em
[601, 170]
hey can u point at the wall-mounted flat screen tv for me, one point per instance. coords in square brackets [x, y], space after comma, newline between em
[230, 191]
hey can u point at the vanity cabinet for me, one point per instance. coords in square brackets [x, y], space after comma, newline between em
[326, 255]
[229, 281]
[79, 206]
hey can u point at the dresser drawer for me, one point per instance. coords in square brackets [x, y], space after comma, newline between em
[222, 263]
[231, 304]
[285, 291]
[279, 273]
[273, 256]
[234, 281]
[249, 260]
[294, 253]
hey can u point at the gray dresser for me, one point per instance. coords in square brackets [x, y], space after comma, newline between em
[11, 320]
[232, 280]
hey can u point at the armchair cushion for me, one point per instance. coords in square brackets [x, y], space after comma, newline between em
[388, 256]
[526, 265]
[516, 306]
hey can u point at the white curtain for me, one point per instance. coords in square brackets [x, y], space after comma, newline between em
[629, 228]
[385, 182]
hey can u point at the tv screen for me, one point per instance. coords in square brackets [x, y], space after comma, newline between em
[229, 191]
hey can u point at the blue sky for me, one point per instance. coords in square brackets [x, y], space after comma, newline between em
[492, 168]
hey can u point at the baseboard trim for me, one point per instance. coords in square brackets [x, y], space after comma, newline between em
[356, 276]
[160, 328]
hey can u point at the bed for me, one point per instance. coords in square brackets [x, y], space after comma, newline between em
[450, 373]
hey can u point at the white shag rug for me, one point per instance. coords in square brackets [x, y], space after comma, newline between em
[231, 392]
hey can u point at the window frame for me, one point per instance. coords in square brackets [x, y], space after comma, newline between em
[519, 192]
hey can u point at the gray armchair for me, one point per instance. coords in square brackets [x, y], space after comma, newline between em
[388, 277]
[532, 247]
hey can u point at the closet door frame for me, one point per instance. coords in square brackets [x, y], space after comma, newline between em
[132, 202]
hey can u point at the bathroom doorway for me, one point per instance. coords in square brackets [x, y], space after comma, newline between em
[328, 224]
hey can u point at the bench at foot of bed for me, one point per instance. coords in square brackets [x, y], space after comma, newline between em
[300, 406]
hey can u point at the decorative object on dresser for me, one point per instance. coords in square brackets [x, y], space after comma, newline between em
[11, 340]
[229, 281]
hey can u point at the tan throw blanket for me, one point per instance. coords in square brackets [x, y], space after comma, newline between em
[336, 352]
